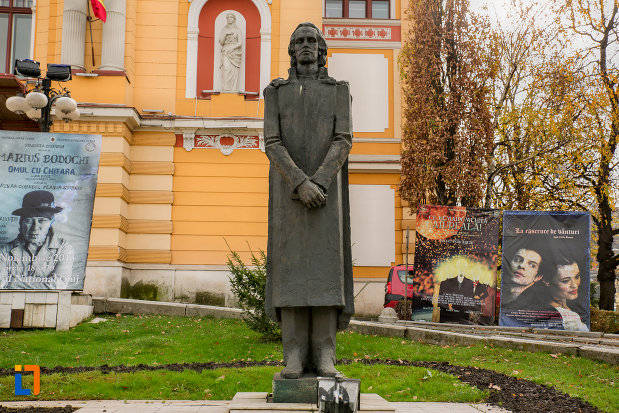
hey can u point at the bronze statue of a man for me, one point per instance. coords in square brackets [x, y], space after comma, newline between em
[308, 135]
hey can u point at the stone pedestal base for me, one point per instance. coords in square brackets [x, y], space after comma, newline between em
[43, 309]
[303, 390]
[257, 403]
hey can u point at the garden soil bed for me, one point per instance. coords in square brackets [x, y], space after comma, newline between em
[511, 393]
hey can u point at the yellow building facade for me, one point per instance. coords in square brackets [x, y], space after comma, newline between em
[183, 176]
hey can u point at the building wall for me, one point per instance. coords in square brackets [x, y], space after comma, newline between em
[168, 211]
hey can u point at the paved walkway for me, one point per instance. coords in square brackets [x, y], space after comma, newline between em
[198, 406]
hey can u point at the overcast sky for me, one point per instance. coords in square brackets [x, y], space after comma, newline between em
[498, 9]
[498, 5]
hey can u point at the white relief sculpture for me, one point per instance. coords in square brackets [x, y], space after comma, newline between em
[188, 140]
[231, 41]
[225, 142]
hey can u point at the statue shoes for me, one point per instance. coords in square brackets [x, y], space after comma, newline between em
[291, 373]
[293, 369]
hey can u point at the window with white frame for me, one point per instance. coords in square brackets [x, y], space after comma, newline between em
[15, 31]
[357, 9]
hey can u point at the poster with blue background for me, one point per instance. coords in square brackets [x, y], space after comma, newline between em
[47, 185]
[545, 270]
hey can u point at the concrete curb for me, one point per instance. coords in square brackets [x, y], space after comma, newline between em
[442, 337]
[129, 306]
[431, 333]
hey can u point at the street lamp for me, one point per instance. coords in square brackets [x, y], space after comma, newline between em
[37, 102]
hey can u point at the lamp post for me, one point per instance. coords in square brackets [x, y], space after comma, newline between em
[37, 103]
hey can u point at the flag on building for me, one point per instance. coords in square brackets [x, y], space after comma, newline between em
[98, 9]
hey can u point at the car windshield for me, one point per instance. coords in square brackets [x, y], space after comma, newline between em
[402, 275]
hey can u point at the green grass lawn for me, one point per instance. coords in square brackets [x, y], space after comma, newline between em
[156, 340]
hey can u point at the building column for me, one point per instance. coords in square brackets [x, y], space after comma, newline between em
[113, 42]
[73, 33]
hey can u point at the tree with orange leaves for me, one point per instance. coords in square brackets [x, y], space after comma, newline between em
[590, 178]
[447, 130]
[557, 118]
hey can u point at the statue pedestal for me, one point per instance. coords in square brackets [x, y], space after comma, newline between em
[256, 402]
[302, 390]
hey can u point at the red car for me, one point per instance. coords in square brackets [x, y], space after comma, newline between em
[395, 287]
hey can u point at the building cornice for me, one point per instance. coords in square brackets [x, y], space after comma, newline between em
[363, 22]
[374, 163]
[110, 113]
[363, 44]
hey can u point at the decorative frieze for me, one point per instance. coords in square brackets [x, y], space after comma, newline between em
[358, 33]
[225, 142]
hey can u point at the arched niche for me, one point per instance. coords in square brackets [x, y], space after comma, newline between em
[201, 34]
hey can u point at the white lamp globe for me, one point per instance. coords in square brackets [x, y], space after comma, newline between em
[73, 115]
[36, 99]
[17, 104]
[34, 114]
[65, 104]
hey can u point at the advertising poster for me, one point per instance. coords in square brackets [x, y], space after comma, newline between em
[545, 270]
[47, 185]
[456, 251]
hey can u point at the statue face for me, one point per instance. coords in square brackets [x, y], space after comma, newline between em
[306, 45]
[230, 18]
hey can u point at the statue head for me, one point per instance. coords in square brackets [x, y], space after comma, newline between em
[230, 18]
[322, 45]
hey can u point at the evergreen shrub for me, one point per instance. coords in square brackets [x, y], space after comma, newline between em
[248, 284]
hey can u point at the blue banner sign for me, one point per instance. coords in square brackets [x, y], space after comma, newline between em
[545, 270]
[47, 186]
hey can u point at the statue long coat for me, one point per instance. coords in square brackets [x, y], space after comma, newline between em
[308, 135]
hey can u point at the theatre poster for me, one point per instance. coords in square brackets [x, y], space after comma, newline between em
[455, 268]
[545, 270]
[47, 186]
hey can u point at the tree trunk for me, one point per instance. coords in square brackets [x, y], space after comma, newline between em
[605, 256]
[607, 294]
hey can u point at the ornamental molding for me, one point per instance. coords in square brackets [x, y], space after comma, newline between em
[357, 33]
[363, 44]
[225, 142]
[189, 140]
[331, 21]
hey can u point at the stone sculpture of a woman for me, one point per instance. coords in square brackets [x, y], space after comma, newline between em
[231, 41]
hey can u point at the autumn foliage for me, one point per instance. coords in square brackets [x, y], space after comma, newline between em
[520, 110]
[447, 134]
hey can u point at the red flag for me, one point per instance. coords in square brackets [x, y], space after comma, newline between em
[98, 9]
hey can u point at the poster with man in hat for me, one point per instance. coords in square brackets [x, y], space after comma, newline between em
[47, 183]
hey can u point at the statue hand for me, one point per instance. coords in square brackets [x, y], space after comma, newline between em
[311, 195]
